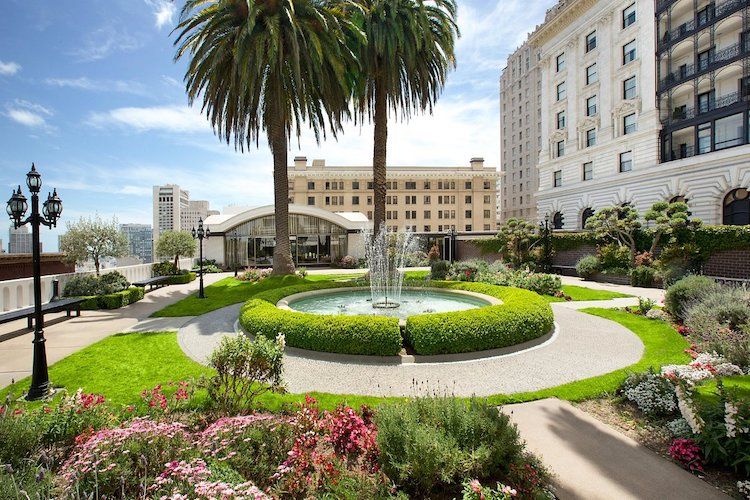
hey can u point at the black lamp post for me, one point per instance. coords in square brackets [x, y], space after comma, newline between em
[544, 229]
[51, 210]
[201, 235]
[452, 243]
[235, 238]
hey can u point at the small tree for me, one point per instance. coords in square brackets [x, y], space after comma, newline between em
[618, 224]
[670, 220]
[93, 238]
[176, 243]
[517, 236]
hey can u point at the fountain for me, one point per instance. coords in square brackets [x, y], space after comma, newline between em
[385, 256]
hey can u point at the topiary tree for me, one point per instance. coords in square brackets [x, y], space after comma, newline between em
[619, 224]
[93, 239]
[670, 220]
[517, 236]
[177, 243]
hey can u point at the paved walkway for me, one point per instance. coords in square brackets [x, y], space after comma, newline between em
[584, 346]
[68, 335]
[594, 461]
[655, 294]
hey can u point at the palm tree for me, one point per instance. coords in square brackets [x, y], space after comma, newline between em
[269, 66]
[409, 51]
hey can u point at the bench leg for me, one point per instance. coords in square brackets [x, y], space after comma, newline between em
[67, 313]
[31, 323]
[78, 312]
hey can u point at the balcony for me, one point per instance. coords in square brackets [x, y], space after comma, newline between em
[714, 61]
[681, 114]
[684, 30]
[680, 153]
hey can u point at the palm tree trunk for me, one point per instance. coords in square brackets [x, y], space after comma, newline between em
[379, 155]
[282, 255]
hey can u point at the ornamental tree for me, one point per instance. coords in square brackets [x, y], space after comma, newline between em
[517, 237]
[672, 221]
[93, 239]
[175, 243]
[618, 224]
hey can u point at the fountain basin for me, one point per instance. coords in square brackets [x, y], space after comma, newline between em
[357, 301]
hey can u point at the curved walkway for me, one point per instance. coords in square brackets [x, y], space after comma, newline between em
[585, 346]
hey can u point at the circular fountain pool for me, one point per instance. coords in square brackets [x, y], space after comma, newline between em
[411, 302]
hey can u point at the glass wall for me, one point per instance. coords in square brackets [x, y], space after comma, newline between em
[313, 241]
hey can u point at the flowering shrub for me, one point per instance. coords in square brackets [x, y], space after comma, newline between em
[467, 270]
[157, 401]
[651, 393]
[253, 275]
[75, 414]
[679, 428]
[347, 262]
[183, 480]
[705, 366]
[543, 284]
[473, 490]
[687, 453]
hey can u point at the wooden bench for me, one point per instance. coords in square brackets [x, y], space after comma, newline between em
[564, 270]
[67, 305]
[151, 283]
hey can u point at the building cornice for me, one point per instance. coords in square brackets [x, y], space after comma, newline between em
[566, 15]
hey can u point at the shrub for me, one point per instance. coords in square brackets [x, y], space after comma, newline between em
[543, 284]
[467, 270]
[724, 437]
[587, 266]
[687, 453]
[439, 269]
[72, 416]
[614, 256]
[245, 369]
[430, 443]
[253, 275]
[651, 393]
[20, 435]
[645, 305]
[113, 300]
[679, 428]
[347, 262]
[81, 286]
[207, 268]
[685, 292]
[434, 254]
[165, 268]
[642, 276]
[112, 282]
[182, 278]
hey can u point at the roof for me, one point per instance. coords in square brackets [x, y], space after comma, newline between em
[354, 221]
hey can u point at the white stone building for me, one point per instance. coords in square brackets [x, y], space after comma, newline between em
[173, 210]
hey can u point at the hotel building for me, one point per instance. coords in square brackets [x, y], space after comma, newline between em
[644, 102]
[520, 139]
[173, 210]
[422, 199]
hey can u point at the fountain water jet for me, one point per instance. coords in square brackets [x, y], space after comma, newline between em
[385, 254]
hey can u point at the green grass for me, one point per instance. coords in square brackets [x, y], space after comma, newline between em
[121, 366]
[580, 293]
[738, 385]
[334, 277]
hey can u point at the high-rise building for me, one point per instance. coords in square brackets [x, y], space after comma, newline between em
[423, 199]
[20, 241]
[173, 210]
[140, 240]
[520, 134]
[636, 116]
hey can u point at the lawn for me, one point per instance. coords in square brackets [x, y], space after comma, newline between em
[580, 293]
[121, 366]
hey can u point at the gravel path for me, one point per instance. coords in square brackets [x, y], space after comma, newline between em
[583, 346]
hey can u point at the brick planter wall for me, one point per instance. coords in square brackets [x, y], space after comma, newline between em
[611, 278]
[728, 264]
[571, 257]
[466, 249]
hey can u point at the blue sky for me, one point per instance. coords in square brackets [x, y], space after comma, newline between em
[89, 91]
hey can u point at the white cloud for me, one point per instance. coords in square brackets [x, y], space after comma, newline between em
[164, 11]
[180, 119]
[85, 83]
[28, 114]
[9, 68]
[105, 41]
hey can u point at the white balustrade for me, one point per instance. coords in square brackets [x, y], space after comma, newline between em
[16, 294]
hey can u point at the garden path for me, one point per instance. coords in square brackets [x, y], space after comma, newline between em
[655, 294]
[583, 346]
[594, 461]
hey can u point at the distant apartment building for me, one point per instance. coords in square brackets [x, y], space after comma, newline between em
[140, 240]
[20, 241]
[422, 199]
[644, 102]
[173, 210]
[520, 134]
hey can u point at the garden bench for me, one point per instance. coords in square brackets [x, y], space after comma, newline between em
[151, 283]
[67, 305]
[564, 270]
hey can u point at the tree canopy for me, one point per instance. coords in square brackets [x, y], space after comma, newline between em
[175, 244]
[93, 239]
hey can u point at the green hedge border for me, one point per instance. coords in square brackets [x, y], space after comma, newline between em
[181, 279]
[522, 316]
[113, 300]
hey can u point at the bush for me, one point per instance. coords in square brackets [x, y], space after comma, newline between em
[651, 393]
[643, 276]
[182, 278]
[207, 268]
[522, 316]
[434, 443]
[467, 270]
[245, 369]
[587, 266]
[543, 284]
[165, 268]
[252, 275]
[439, 269]
[20, 435]
[347, 262]
[685, 292]
[112, 282]
[81, 286]
[113, 300]
[614, 256]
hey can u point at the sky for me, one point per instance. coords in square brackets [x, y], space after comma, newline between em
[90, 92]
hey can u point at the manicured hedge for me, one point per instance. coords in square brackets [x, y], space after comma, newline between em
[113, 300]
[181, 279]
[522, 316]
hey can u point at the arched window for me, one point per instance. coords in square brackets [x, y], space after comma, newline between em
[737, 207]
[678, 199]
[587, 212]
[557, 220]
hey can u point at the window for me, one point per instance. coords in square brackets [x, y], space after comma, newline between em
[557, 178]
[628, 124]
[427, 184]
[560, 148]
[310, 185]
[487, 185]
[626, 161]
[628, 16]
[588, 171]
[560, 120]
[590, 138]
[355, 200]
[427, 199]
[427, 214]
[628, 88]
[591, 41]
[369, 202]
[628, 52]
[487, 198]
[704, 138]
[328, 200]
[561, 91]
[467, 199]
[737, 208]
[369, 184]
[591, 75]
[311, 201]
[486, 214]
[560, 62]
[467, 214]
[355, 184]
[411, 185]
[591, 106]
[558, 220]
[585, 216]
[728, 132]
[427, 229]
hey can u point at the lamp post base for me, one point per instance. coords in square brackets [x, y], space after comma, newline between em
[40, 393]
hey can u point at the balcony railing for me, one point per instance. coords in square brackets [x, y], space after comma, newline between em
[688, 71]
[680, 153]
[684, 30]
[688, 113]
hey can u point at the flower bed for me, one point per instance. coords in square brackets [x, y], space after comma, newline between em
[522, 316]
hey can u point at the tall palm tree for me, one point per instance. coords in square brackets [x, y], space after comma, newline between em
[409, 51]
[269, 66]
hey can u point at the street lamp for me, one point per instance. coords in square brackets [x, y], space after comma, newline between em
[544, 229]
[201, 235]
[51, 210]
[235, 238]
[452, 244]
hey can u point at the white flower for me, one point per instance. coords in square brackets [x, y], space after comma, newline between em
[730, 412]
[281, 341]
[686, 410]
